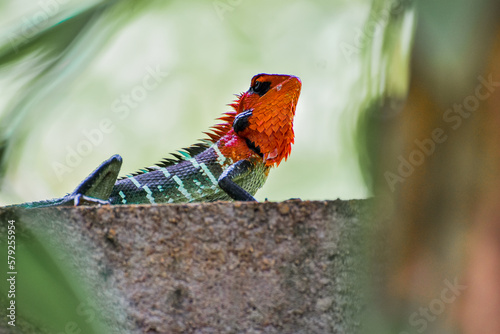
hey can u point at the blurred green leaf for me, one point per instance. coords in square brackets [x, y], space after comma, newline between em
[48, 294]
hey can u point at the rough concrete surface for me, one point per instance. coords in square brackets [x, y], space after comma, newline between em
[213, 267]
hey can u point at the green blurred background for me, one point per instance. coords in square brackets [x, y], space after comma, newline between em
[61, 80]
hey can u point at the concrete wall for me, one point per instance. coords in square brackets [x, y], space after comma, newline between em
[286, 267]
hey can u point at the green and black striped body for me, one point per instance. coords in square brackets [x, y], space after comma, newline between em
[195, 179]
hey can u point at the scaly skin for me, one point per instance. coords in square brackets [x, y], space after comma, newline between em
[231, 165]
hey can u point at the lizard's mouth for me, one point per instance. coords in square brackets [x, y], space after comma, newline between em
[271, 155]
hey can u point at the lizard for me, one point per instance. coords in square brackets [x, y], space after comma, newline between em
[231, 164]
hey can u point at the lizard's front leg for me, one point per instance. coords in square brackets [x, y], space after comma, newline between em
[227, 184]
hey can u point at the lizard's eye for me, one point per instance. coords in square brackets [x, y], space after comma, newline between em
[260, 87]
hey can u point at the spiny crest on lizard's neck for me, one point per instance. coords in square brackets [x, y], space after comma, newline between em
[263, 116]
[215, 133]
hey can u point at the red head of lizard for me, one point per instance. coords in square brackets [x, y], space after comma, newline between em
[262, 119]
[266, 114]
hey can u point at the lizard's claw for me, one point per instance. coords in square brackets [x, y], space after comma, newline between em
[80, 199]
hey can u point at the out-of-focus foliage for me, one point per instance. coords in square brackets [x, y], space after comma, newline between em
[44, 51]
[385, 76]
[48, 296]
[435, 163]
